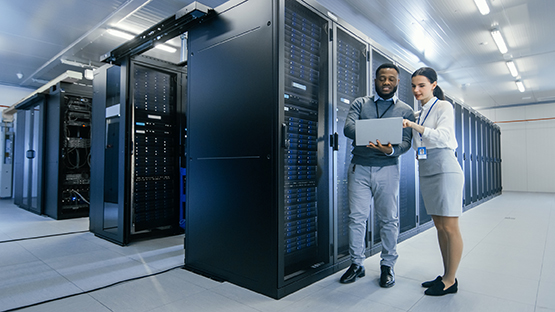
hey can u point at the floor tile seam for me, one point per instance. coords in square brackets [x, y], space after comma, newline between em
[90, 291]
[233, 298]
[543, 258]
[497, 297]
[480, 241]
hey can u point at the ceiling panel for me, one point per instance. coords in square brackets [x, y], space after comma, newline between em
[449, 35]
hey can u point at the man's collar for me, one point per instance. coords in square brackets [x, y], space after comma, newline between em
[393, 98]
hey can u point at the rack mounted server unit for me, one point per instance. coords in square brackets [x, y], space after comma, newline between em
[136, 135]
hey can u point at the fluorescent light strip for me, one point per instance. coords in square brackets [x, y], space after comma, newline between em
[482, 6]
[498, 38]
[127, 36]
[520, 86]
[512, 68]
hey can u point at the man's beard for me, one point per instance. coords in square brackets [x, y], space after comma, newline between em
[386, 96]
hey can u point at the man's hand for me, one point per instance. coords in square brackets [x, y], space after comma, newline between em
[386, 149]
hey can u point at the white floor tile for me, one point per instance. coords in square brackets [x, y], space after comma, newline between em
[81, 303]
[146, 294]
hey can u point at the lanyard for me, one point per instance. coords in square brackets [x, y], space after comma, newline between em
[378, 111]
[423, 121]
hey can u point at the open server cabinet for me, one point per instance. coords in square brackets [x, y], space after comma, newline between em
[52, 151]
[135, 141]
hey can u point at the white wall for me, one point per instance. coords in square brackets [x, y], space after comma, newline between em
[527, 149]
[10, 95]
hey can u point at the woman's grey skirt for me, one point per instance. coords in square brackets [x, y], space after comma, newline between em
[441, 183]
[442, 193]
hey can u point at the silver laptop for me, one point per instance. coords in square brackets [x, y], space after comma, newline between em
[387, 130]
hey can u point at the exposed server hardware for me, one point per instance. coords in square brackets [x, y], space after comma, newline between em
[56, 136]
[136, 142]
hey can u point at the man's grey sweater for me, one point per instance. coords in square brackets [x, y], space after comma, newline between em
[365, 108]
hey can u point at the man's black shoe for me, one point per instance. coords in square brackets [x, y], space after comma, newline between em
[352, 273]
[387, 278]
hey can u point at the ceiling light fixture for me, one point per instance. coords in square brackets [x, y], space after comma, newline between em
[121, 34]
[512, 68]
[482, 6]
[498, 38]
[127, 36]
[166, 48]
[19, 75]
[520, 86]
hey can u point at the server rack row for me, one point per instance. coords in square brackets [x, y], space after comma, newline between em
[277, 78]
[52, 164]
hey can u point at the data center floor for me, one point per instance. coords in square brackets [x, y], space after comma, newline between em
[507, 265]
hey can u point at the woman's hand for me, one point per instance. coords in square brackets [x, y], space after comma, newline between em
[407, 123]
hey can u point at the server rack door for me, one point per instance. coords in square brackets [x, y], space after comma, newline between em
[474, 157]
[499, 174]
[19, 157]
[52, 154]
[407, 164]
[487, 146]
[479, 158]
[373, 226]
[467, 153]
[264, 83]
[351, 66]
[32, 148]
[107, 214]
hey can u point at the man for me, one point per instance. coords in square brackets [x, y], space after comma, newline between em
[374, 172]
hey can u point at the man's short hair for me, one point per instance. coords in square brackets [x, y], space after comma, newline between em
[387, 65]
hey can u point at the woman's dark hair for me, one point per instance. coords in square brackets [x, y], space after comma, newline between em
[431, 74]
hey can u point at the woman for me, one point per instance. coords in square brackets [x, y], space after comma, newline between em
[441, 177]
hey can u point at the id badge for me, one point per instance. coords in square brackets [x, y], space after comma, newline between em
[422, 154]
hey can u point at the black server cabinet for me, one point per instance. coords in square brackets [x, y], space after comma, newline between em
[474, 157]
[407, 163]
[135, 190]
[351, 68]
[467, 155]
[498, 175]
[488, 159]
[377, 59]
[480, 136]
[67, 151]
[258, 179]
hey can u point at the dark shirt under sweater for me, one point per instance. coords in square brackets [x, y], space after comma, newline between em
[365, 108]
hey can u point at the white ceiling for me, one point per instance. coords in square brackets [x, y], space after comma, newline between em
[449, 35]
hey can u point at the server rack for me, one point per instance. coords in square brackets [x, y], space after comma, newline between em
[271, 141]
[6, 159]
[474, 157]
[408, 214]
[67, 151]
[467, 156]
[480, 157]
[350, 75]
[136, 143]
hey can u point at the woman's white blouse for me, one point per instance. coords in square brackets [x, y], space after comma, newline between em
[439, 126]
